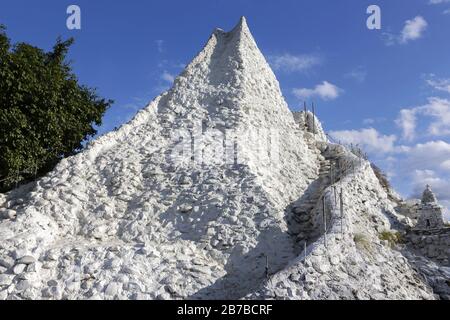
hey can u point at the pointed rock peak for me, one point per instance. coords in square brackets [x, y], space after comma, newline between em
[242, 22]
[241, 27]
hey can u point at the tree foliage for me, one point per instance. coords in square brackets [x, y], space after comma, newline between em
[45, 114]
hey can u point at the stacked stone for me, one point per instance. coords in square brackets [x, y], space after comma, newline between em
[429, 212]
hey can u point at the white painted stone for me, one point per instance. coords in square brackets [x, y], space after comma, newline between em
[5, 279]
[19, 268]
[123, 192]
[27, 260]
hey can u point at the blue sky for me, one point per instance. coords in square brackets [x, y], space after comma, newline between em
[321, 51]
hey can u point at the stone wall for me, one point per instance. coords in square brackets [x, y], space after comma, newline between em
[430, 217]
[434, 244]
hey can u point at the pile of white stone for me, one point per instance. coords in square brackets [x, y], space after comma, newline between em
[188, 201]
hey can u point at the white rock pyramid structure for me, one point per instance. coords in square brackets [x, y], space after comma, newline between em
[213, 191]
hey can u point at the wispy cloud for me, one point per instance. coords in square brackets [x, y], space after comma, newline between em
[294, 63]
[369, 139]
[434, 2]
[168, 77]
[160, 45]
[358, 74]
[438, 83]
[412, 30]
[371, 121]
[438, 1]
[324, 90]
[137, 103]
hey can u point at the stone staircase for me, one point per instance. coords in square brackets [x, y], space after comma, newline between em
[304, 222]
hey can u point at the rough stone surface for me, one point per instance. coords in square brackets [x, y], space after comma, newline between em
[433, 244]
[141, 215]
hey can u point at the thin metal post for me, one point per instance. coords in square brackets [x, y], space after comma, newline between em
[331, 173]
[324, 220]
[306, 116]
[342, 211]
[314, 118]
[335, 196]
[267, 267]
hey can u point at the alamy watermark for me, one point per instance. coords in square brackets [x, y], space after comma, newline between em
[374, 20]
[73, 22]
[200, 146]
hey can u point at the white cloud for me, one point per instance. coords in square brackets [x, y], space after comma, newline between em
[413, 29]
[432, 155]
[359, 74]
[422, 164]
[372, 121]
[446, 165]
[325, 90]
[389, 38]
[407, 122]
[166, 76]
[294, 63]
[438, 84]
[438, 1]
[437, 109]
[369, 140]
[432, 2]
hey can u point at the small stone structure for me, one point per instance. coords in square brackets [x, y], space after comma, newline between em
[429, 212]
[430, 237]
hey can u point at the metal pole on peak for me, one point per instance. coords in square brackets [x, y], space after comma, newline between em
[267, 267]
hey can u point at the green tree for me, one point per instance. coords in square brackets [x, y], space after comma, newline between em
[45, 114]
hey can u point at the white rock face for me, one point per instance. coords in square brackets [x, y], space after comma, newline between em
[308, 122]
[190, 199]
